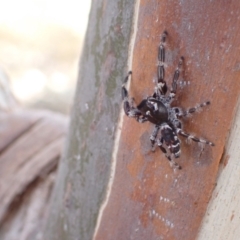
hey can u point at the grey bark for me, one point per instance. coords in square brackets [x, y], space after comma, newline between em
[84, 170]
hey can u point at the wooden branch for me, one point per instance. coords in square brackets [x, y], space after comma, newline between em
[30, 146]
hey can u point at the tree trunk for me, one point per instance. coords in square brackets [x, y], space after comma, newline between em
[110, 184]
[85, 170]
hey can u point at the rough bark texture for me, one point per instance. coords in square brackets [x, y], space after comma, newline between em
[147, 199]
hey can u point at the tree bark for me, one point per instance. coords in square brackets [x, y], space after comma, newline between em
[117, 188]
[85, 170]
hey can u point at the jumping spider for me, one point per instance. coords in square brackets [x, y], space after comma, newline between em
[157, 109]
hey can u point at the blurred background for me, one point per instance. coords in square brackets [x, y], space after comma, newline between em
[40, 46]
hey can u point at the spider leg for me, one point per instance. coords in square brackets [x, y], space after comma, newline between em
[175, 78]
[128, 105]
[154, 135]
[172, 163]
[161, 87]
[192, 137]
[177, 123]
[186, 113]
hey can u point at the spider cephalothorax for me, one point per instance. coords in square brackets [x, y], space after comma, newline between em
[157, 109]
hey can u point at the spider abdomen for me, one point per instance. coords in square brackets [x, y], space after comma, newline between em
[171, 140]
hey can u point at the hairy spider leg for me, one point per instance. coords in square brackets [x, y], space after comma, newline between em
[173, 164]
[161, 84]
[177, 123]
[186, 113]
[175, 78]
[128, 104]
[192, 137]
[154, 135]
